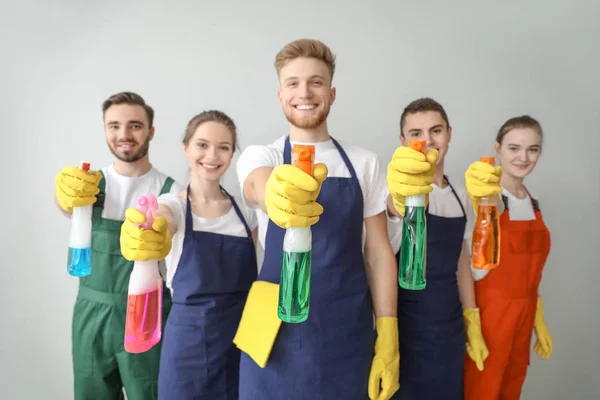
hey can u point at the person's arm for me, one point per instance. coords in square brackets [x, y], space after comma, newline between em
[466, 285]
[166, 203]
[255, 237]
[382, 273]
[391, 210]
[165, 212]
[254, 186]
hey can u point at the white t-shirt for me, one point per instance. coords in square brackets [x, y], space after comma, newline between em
[443, 203]
[518, 210]
[228, 224]
[365, 162]
[122, 192]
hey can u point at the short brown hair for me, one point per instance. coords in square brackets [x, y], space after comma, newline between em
[521, 122]
[129, 98]
[212, 116]
[422, 105]
[305, 48]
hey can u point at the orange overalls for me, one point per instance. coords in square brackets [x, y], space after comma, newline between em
[507, 298]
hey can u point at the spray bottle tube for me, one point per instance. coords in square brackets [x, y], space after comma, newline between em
[143, 321]
[485, 245]
[413, 250]
[79, 261]
[294, 287]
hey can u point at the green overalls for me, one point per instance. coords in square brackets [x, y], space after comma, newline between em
[101, 365]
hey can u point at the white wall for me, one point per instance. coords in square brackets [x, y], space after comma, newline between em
[485, 62]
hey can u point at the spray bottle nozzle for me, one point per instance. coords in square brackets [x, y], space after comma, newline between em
[418, 145]
[303, 157]
[148, 205]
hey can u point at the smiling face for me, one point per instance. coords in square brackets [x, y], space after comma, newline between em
[210, 150]
[429, 126]
[128, 133]
[519, 150]
[305, 93]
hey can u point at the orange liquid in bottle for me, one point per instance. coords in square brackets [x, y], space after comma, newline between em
[485, 250]
[485, 247]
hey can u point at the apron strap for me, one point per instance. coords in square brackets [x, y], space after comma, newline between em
[345, 158]
[238, 212]
[287, 155]
[534, 202]
[167, 186]
[99, 204]
[189, 227]
[505, 201]
[456, 195]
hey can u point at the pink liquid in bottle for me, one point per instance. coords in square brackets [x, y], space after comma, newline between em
[143, 325]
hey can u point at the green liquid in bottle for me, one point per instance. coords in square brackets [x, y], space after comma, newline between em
[413, 249]
[294, 288]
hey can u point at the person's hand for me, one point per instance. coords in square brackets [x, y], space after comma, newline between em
[476, 347]
[543, 344]
[291, 195]
[410, 173]
[75, 187]
[139, 244]
[482, 180]
[384, 378]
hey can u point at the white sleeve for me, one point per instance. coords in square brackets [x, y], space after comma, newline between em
[253, 157]
[252, 220]
[394, 228]
[249, 215]
[375, 201]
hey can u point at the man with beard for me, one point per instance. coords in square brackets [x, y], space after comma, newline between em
[333, 354]
[102, 368]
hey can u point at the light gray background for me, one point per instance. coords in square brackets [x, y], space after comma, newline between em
[484, 61]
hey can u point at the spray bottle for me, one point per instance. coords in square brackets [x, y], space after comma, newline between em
[294, 287]
[413, 250]
[79, 261]
[143, 323]
[485, 247]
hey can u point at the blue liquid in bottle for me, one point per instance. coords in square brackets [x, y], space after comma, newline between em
[80, 261]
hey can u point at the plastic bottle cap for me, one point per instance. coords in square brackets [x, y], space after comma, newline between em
[304, 157]
[418, 145]
[488, 160]
[85, 166]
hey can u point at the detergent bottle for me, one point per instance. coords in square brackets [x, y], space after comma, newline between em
[79, 262]
[294, 287]
[485, 245]
[143, 321]
[413, 248]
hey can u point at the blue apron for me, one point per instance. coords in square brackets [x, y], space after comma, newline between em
[329, 355]
[430, 323]
[198, 359]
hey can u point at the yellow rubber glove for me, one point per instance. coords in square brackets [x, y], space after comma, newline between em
[482, 180]
[410, 173]
[291, 195]
[476, 348]
[139, 244]
[543, 344]
[76, 187]
[259, 324]
[384, 379]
